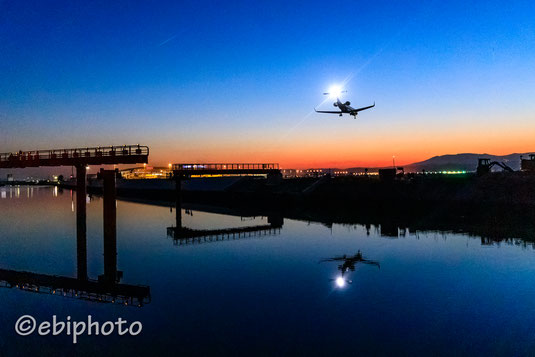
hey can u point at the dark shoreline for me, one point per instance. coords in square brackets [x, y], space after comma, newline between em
[515, 190]
[492, 222]
[497, 206]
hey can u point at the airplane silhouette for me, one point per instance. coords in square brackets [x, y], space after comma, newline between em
[345, 107]
[349, 263]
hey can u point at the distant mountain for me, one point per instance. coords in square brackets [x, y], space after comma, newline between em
[456, 162]
[466, 162]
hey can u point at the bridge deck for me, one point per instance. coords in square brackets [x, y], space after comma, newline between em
[188, 235]
[225, 169]
[71, 287]
[102, 155]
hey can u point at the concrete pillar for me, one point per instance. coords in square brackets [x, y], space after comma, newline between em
[81, 228]
[110, 225]
[178, 201]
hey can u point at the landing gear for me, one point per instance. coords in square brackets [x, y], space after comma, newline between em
[340, 114]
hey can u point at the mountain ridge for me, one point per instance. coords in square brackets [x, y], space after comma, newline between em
[456, 162]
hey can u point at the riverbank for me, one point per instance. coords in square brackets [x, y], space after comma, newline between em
[492, 222]
[514, 189]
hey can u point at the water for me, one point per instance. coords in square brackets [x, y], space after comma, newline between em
[433, 293]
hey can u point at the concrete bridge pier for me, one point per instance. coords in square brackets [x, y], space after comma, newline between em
[81, 229]
[178, 200]
[111, 275]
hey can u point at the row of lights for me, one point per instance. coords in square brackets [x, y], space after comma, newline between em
[446, 172]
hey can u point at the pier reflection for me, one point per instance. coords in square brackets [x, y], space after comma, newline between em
[183, 235]
[106, 289]
[490, 224]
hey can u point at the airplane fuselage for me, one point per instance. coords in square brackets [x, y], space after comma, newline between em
[345, 108]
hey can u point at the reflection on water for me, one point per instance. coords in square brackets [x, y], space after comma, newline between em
[183, 235]
[422, 282]
[348, 264]
[105, 289]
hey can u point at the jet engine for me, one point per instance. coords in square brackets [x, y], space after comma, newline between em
[335, 104]
[348, 103]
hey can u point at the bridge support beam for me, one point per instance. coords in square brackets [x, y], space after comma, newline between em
[178, 201]
[81, 229]
[110, 226]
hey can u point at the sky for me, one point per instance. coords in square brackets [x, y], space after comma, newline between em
[238, 81]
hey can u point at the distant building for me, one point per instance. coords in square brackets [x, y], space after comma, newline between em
[289, 173]
[316, 172]
[10, 177]
[146, 172]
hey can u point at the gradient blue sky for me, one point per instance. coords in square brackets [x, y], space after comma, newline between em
[237, 81]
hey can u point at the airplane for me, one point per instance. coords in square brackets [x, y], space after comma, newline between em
[350, 262]
[345, 107]
[349, 265]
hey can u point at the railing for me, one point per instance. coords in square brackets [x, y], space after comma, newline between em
[222, 167]
[78, 153]
[207, 236]
[100, 297]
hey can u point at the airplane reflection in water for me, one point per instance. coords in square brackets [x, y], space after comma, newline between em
[183, 235]
[348, 264]
[107, 289]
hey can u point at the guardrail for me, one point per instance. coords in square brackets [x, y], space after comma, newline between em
[77, 153]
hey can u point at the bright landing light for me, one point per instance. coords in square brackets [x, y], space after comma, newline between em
[340, 282]
[335, 91]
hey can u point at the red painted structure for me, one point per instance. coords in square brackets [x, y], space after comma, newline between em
[107, 288]
[102, 155]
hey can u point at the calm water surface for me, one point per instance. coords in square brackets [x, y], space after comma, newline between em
[275, 294]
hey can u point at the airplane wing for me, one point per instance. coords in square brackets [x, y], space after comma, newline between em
[335, 259]
[327, 112]
[363, 108]
[371, 262]
[329, 260]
